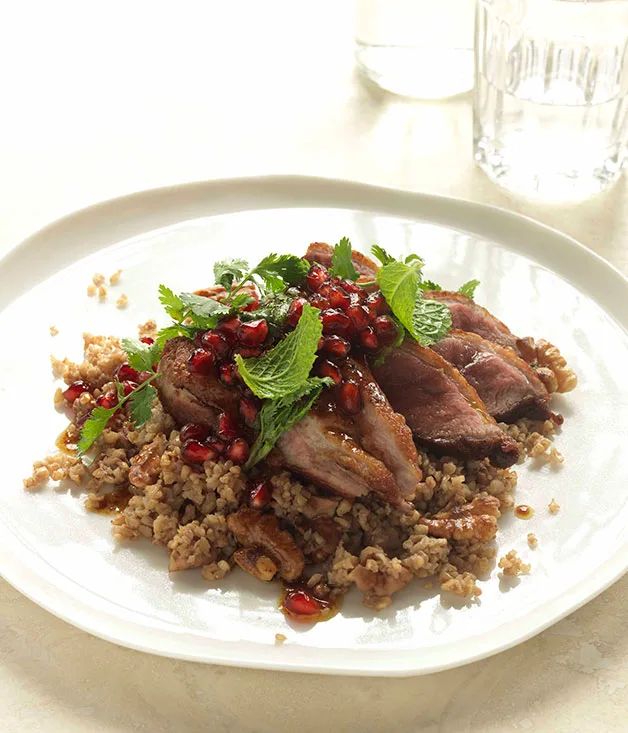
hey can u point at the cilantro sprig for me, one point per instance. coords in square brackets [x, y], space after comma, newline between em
[140, 402]
[469, 288]
[341, 262]
[274, 274]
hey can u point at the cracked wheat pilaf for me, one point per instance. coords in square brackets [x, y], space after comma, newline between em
[185, 508]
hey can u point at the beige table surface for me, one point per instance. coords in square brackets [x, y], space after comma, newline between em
[101, 99]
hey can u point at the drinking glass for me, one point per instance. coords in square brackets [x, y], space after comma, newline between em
[550, 115]
[417, 48]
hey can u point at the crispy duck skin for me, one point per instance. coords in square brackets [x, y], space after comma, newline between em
[383, 432]
[444, 412]
[508, 386]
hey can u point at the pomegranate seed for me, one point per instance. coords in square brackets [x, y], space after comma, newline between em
[377, 304]
[197, 338]
[227, 374]
[336, 280]
[325, 368]
[128, 386]
[369, 340]
[253, 333]
[294, 311]
[124, 372]
[147, 340]
[193, 431]
[216, 342]
[335, 346]
[349, 398]
[317, 301]
[325, 289]
[351, 287]
[229, 325]
[107, 400]
[334, 321]
[248, 410]
[201, 361]
[248, 352]
[316, 276]
[227, 428]
[238, 451]
[385, 329]
[195, 452]
[359, 316]
[143, 376]
[75, 390]
[301, 603]
[260, 495]
[218, 445]
[80, 421]
[338, 299]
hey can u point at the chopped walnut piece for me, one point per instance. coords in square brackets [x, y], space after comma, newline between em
[102, 292]
[115, 278]
[476, 520]
[548, 356]
[122, 301]
[255, 563]
[280, 638]
[54, 330]
[91, 290]
[532, 540]
[553, 507]
[98, 279]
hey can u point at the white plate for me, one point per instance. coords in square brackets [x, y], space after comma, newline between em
[535, 279]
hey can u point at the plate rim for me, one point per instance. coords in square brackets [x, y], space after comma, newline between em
[297, 191]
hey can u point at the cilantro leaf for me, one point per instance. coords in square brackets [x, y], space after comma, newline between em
[382, 255]
[204, 308]
[140, 405]
[468, 288]
[100, 416]
[241, 300]
[172, 303]
[274, 308]
[226, 271]
[431, 320]
[285, 367]
[341, 262]
[171, 332]
[429, 285]
[279, 271]
[93, 427]
[278, 416]
[141, 356]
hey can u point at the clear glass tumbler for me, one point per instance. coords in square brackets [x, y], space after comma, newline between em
[550, 114]
[416, 48]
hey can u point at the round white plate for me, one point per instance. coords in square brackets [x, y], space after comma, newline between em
[538, 281]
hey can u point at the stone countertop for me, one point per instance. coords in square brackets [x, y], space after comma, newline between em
[100, 101]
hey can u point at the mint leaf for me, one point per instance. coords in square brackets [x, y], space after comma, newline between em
[278, 416]
[414, 258]
[468, 288]
[431, 320]
[140, 405]
[172, 303]
[429, 285]
[286, 367]
[141, 356]
[382, 255]
[227, 271]
[399, 284]
[341, 262]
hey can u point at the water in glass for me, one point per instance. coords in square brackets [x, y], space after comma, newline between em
[417, 48]
[551, 94]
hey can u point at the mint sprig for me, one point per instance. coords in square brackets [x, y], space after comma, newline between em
[469, 288]
[278, 416]
[286, 367]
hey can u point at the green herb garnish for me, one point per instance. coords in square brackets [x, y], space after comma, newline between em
[469, 288]
[429, 285]
[341, 262]
[142, 357]
[278, 416]
[140, 401]
[285, 368]
[400, 282]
